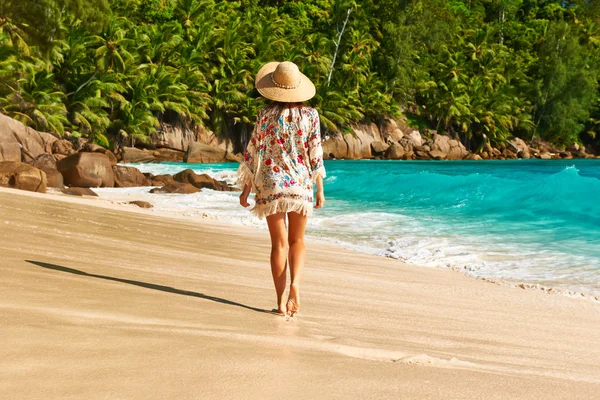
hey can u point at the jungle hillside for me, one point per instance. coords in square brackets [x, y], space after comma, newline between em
[479, 70]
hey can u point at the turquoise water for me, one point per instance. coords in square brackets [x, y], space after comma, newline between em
[531, 220]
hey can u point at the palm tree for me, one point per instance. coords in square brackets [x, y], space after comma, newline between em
[112, 52]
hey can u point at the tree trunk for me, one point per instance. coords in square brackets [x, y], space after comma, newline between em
[337, 46]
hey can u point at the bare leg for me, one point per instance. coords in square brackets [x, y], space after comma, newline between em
[296, 257]
[277, 230]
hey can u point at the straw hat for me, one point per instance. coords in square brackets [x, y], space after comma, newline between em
[284, 82]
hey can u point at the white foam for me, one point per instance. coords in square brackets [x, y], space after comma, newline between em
[394, 235]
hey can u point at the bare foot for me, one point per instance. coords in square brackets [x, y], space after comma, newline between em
[279, 311]
[293, 304]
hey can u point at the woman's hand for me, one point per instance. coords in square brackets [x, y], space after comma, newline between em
[244, 196]
[320, 199]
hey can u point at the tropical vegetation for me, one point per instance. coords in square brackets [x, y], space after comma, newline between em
[480, 70]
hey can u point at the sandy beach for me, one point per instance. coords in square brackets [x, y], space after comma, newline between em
[105, 301]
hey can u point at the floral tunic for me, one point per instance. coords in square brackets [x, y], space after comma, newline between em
[283, 158]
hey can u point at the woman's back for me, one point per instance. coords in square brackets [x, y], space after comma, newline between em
[285, 156]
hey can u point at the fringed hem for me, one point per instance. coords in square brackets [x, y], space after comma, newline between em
[319, 172]
[283, 206]
[245, 176]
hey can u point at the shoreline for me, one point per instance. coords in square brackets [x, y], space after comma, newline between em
[513, 283]
[161, 306]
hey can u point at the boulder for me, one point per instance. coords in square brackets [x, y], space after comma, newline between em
[33, 143]
[134, 155]
[129, 177]
[472, 157]
[335, 147]
[379, 147]
[87, 170]
[174, 137]
[169, 155]
[441, 143]
[457, 150]
[18, 175]
[179, 138]
[54, 179]
[63, 147]
[355, 145]
[437, 155]
[509, 155]
[390, 131]
[162, 180]
[178, 187]
[422, 155]
[204, 153]
[141, 204]
[574, 148]
[520, 147]
[395, 152]
[59, 157]
[414, 138]
[360, 140]
[79, 144]
[202, 181]
[43, 162]
[230, 157]
[565, 154]
[9, 147]
[94, 148]
[47, 163]
[546, 156]
[79, 191]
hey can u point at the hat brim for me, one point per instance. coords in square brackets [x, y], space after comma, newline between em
[266, 87]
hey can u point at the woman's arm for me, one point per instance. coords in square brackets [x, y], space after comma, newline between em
[247, 167]
[315, 153]
[320, 192]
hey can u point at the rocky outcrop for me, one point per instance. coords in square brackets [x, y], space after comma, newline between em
[169, 155]
[160, 180]
[94, 148]
[395, 152]
[177, 187]
[204, 153]
[87, 170]
[178, 139]
[379, 148]
[141, 204]
[135, 155]
[202, 181]
[391, 131]
[78, 191]
[521, 148]
[18, 175]
[9, 147]
[47, 163]
[352, 146]
[63, 147]
[174, 137]
[31, 142]
[129, 177]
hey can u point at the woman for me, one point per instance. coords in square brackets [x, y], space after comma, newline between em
[283, 159]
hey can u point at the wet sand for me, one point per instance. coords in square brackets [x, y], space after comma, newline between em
[102, 301]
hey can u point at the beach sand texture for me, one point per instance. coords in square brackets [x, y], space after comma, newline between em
[102, 301]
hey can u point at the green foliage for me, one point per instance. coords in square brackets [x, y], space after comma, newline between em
[481, 70]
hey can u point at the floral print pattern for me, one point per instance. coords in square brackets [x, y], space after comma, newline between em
[283, 159]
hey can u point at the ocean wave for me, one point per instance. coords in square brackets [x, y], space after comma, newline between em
[530, 222]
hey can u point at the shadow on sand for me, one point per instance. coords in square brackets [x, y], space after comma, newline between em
[146, 285]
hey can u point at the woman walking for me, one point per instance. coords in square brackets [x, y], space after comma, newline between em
[282, 162]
